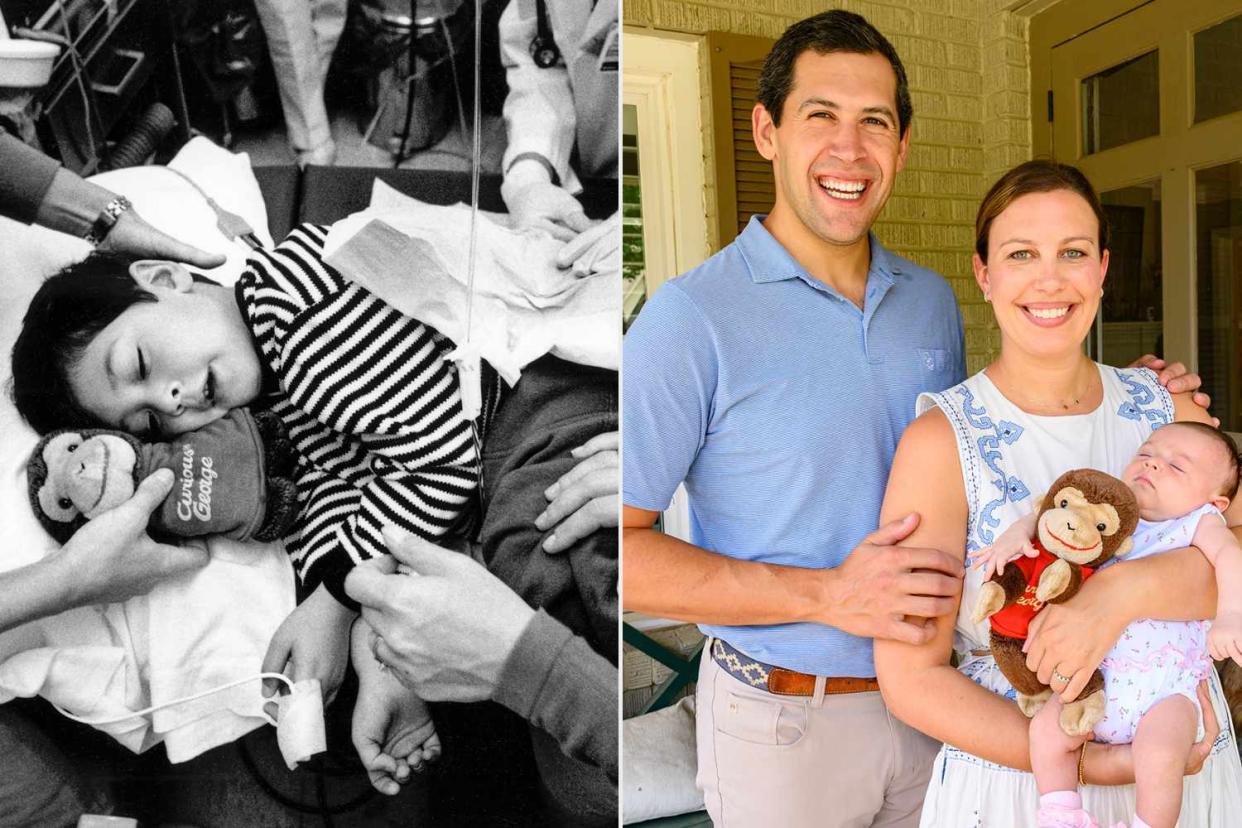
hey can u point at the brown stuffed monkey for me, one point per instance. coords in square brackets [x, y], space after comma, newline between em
[1085, 520]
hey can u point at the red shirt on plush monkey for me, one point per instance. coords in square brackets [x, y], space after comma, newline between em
[1085, 520]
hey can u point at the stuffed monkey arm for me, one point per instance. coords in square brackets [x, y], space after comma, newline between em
[1059, 582]
[1005, 587]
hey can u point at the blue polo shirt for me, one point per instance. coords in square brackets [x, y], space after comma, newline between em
[779, 403]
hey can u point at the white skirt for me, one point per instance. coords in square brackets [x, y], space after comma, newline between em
[968, 792]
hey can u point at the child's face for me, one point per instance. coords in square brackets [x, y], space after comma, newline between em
[1175, 472]
[169, 366]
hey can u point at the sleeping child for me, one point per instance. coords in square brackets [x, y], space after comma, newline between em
[365, 393]
[1183, 478]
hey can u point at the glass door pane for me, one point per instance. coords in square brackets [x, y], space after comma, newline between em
[1218, 65]
[1121, 104]
[1218, 243]
[1132, 310]
[633, 263]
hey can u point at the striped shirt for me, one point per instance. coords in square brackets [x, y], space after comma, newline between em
[371, 404]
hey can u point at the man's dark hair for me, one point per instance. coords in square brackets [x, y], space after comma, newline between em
[1229, 488]
[65, 315]
[830, 31]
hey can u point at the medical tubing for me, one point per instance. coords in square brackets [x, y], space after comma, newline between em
[476, 154]
[409, 87]
[183, 700]
[148, 132]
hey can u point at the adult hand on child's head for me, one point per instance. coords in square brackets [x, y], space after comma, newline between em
[1176, 380]
[133, 236]
[446, 628]
[312, 642]
[585, 499]
[112, 558]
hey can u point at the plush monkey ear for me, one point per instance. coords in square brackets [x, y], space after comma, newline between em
[1124, 548]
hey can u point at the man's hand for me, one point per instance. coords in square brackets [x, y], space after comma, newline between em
[1175, 379]
[585, 499]
[446, 628]
[132, 236]
[535, 203]
[111, 558]
[880, 582]
[314, 641]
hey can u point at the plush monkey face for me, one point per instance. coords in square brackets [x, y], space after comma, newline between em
[85, 476]
[1087, 517]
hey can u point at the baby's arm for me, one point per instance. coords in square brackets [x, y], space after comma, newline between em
[1012, 543]
[1221, 548]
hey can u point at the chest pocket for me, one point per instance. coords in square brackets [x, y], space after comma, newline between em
[933, 360]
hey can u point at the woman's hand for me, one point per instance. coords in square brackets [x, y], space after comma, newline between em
[1114, 764]
[111, 558]
[585, 499]
[447, 627]
[133, 236]
[1072, 639]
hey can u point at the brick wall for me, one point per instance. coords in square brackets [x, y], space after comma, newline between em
[969, 78]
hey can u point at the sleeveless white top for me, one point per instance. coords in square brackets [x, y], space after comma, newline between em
[1007, 458]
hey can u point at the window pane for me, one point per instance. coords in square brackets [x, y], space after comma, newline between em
[1218, 65]
[1218, 238]
[1121, 104]
[633, 264]
[1132, 311]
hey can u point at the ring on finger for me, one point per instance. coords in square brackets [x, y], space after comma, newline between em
[1056, 676]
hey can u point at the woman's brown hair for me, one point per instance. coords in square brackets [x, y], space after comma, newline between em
[1037, 176]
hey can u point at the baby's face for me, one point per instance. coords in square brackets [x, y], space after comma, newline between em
[1175, 472]
[169, 366]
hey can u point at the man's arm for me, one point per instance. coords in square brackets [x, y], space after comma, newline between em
[867, 595]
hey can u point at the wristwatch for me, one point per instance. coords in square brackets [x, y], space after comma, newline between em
[107, 220]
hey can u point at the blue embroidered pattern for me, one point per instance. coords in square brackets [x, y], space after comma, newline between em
[1141, 396]
[1009, 487]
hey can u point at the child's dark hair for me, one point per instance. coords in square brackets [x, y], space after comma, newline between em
[1230, 487]
[65, 315]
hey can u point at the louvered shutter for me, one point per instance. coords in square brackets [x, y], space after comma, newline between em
[743, 177]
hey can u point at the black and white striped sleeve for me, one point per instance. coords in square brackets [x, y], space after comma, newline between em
[361, 368]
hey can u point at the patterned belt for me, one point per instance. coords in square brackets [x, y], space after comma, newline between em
[780, 681]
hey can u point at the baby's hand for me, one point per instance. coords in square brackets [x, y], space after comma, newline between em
[314, 640]
[1225, 637]
[392, 729]
[1013, 543]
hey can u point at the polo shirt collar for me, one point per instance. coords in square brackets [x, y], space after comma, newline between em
[769, 261]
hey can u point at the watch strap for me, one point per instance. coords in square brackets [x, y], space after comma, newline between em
[107, 220]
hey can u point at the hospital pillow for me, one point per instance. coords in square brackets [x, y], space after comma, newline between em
[167, 201]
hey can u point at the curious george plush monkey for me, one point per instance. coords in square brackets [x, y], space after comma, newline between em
[1085, 519]
[233, 477]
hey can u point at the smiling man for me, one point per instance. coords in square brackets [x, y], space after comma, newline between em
[774, 380]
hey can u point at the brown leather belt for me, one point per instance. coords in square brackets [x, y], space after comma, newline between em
[781, 681]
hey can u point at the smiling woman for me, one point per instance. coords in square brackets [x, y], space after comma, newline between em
[993, 441]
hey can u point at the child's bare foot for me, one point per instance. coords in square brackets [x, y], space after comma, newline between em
[392, 728]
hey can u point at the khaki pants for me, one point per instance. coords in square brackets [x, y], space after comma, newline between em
[841, 762]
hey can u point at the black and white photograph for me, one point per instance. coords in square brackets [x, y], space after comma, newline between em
[309, 436]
